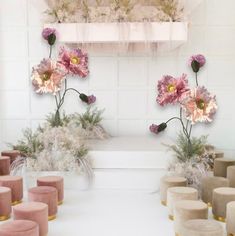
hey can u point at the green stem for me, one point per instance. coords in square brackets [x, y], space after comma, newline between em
[50, 52]
[196, 79]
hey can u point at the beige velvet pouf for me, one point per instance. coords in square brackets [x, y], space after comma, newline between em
[219, 154]
[167, 182]
[15, 183]
[230, 218]
[221, 197]
[221, 165]
[188, 210]
[175, 194]
[231, 176]
[210, 183]
[199, 227]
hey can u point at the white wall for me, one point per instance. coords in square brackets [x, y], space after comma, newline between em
[124, 85]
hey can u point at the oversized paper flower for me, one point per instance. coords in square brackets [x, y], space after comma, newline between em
[75, 61]
[171, 90]
[199, 105]
[196, 62]
[48, 76]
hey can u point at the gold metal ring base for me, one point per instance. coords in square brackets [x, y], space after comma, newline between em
[60, 203]
[177, 234]
[171, 217]
[231, 234]
[2, 218]
[163, 203]
[16, 202]
[219, 218]
[51, 217]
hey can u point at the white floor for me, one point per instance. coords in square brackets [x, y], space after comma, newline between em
[112, 213]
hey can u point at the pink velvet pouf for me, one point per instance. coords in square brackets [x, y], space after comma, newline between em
[53, 181]
[47, 195]
[13, 154]
[4, 165]
[15, 183]
[19, 228]
[35, 211]
[5, 203]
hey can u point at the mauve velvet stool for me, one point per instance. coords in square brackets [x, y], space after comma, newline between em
[231, 176]
[230, 218]
[167, 182]
[210, 183]
[200, 227]
[188, 210]
[35, 211]
[53, 181]
[47, 195]
[221, 197]
[13, 154]
[221, 165]
[5, 203]
[19, 228]
[175, 194]
[4, 165]
[15, 183]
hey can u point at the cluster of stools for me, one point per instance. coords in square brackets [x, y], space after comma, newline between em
[29, 218]
[190, 212]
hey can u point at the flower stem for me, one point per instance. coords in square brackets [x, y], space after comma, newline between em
[196, 79]
[50, 51]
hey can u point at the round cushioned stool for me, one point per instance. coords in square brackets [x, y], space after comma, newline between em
[230, 217]
[47, 195]
[5, 203]
[175, 194]
[13, 154]
[19, 228]
[4, 165]
[231, 176]
[188, 210]
[200, 227]
[219, 154]
[35, 211]
[53, 181]
[167, 182]
[15, 183]
[210, 183]
[221, 197]
[221, 165]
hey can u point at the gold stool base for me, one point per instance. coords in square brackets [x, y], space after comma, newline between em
[16, 202]
[2, 218]
[60, 203]
[219, 218]
[163, 203]
[231, 234]
[51, 217]
[171, 217]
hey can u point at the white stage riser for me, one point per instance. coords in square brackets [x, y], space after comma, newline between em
[147, 179]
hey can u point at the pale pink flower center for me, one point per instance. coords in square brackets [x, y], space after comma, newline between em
[46, 76]
[171, 88]
[75, 60]
[200, 104]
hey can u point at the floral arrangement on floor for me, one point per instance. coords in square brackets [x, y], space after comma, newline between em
[60, 144]
[193, 157]
[114, 11]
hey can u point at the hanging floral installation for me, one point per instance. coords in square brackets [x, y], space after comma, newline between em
[84, 11]
[193, 157]
[60, 143]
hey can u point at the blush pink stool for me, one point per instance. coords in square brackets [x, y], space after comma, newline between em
[35, 211]
[53, 181]
[15, 183]
[5, 203]
[13, 154]
[19, 228]
[47, 195]
[4, 165]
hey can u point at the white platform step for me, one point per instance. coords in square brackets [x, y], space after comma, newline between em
[128, 162]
